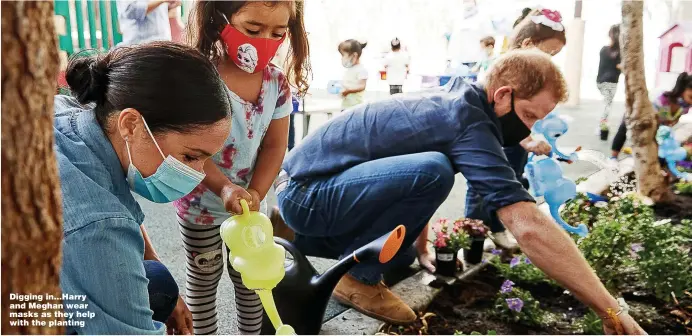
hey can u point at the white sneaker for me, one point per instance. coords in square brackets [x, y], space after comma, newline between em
[505, 240]
[488, 245]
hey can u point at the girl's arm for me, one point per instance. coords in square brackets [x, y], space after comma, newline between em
[359, 88]
[149, 252]
[270, 157]
[221, 185]
[215, 179]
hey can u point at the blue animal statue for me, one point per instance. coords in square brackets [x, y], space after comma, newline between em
[670, 150]
[552, 127]
[545, 175]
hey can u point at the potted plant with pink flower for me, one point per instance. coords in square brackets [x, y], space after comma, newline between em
[449, 239]
[477, 232]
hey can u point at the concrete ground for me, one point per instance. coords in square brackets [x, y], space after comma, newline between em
[163, 229]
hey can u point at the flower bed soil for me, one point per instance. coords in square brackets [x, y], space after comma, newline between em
[467, 307]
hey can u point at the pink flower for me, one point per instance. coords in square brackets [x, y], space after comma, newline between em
[552, 15]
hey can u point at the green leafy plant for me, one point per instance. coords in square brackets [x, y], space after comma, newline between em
[580, 210]
[684, 187]
[521, 270]
[604, 126]
[518, 306]
[450, 236]
[590, 324]
[607, 245]
[662, 257]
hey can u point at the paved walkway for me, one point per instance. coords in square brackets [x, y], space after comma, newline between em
[163, 229]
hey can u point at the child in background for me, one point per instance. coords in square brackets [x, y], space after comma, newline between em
[669, 106]
[609, 73]
[355, 76]
[396, 63]
[240, 37]
[488, 49]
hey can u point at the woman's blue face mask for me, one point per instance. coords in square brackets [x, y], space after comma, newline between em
[171, 181]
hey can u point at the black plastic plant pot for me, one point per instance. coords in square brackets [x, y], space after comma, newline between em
[446, 261]
[474, 255]
[604, 134]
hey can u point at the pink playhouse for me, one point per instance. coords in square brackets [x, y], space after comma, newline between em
[675, 54]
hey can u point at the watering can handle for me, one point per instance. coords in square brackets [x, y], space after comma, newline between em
[245, 206]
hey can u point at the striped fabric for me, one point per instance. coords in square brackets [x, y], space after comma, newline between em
[204, 267]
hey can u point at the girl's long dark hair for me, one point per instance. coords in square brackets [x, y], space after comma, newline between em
[683, 83]
[206, 23]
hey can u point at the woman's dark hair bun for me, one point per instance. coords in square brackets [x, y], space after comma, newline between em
[87, 76]
[362, 45]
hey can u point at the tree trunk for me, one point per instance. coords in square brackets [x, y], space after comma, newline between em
[639, 114]
[31, 205]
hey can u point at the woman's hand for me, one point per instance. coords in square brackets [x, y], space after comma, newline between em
[231, 194]
[180, 321]
[629, 326]
[427, 260]
[345, 93]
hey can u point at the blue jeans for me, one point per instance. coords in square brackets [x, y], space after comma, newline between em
[517, 157]
[333, 216]
[291, 132]
[163, 291]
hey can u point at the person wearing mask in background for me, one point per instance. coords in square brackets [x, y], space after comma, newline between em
[356, 75]
[393, 162]
[144, 21]
[609, 69]
[396, 64]
[669, 106]
[487, 56]
[541, 29]
[241, 38]
[132, 125]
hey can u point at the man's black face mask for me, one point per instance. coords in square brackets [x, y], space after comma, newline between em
[513, 129]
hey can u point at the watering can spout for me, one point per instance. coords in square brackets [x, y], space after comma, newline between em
[383, 249]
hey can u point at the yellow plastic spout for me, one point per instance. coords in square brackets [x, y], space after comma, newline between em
[270, 308]
[258, 259]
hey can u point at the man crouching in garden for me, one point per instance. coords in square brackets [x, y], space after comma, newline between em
[393, 162]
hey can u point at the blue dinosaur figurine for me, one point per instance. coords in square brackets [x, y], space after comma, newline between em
[670, 150]
[545, 175]
[552, 127]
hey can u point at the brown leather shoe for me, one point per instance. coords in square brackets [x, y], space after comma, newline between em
[281, 230]
[376, 301]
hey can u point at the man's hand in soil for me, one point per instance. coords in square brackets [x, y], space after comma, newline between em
[550, 249]
[629, 326]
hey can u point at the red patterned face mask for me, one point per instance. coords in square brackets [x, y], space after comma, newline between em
[251, 54]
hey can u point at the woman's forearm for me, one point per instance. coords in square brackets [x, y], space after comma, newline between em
[215, 179]
[270, 157]
[554, 252]
[149, 252]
